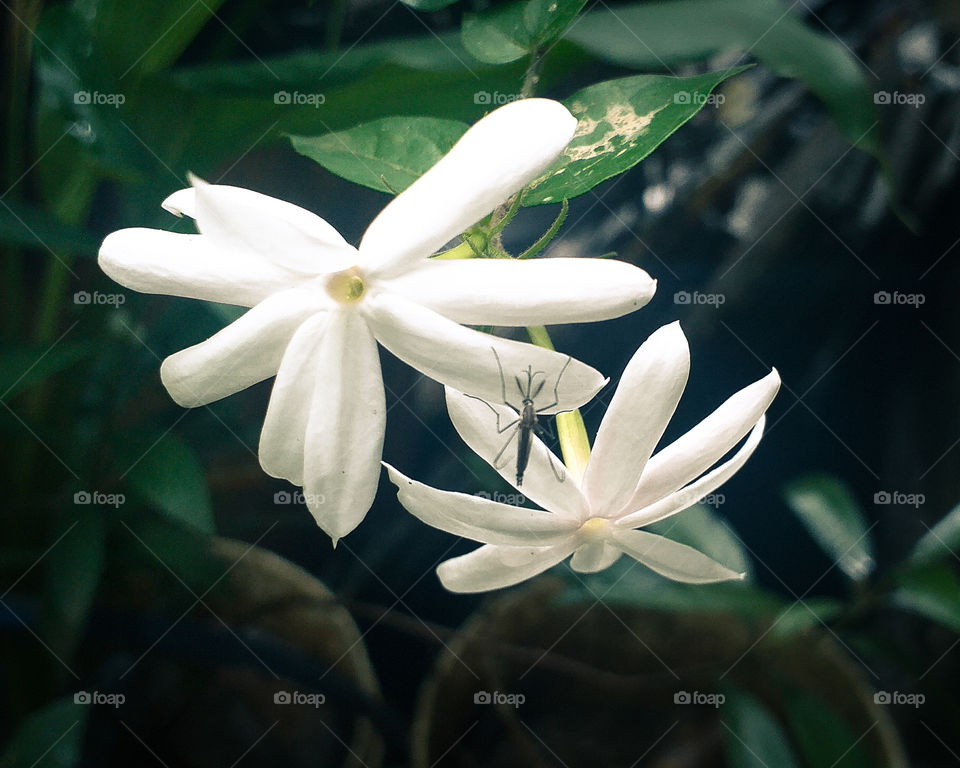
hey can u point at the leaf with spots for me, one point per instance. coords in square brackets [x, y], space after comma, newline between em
[620, 123]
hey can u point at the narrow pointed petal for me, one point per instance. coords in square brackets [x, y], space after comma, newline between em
[344, 437]
[699, 449]
[247, 351]
[155, 261]
[283, 437]
[639, 412]
[467, 360]
[532, 292]
[480, 519]
[241, 220]
[691, 494]
[671, 559]
[593, 557]
[545, 481]
[495, 158]
[495, 567]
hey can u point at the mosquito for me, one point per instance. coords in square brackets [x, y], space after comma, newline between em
[527, 423]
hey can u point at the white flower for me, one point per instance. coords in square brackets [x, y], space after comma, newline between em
[319, 305]
[594, 518]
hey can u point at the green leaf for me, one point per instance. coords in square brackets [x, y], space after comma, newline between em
[657, 35]
[753, 737]
[933, 592]
[387, 155]
[510, 32]
[22, 368]
[824, 739]
[938, 542]
[831, 515]
[428, 5]
[701, 528]
[799, 617]
[620, 123]
[51, 737]
[25, 225]
[170, 477]
[549, 19]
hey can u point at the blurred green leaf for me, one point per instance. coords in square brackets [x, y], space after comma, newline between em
[938, 542]
[548, 19]
[169, 476]
[620, 123]
[701, 528]
[824, 739]
[510, 32]
[830, 513]
[26, 225]
[51, 737]
[661, 35]
[429, 5]
[753, 737]
[23, 367]
[933, 592]
[801, 616]
[386, 155]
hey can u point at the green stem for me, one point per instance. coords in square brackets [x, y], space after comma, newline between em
[551, 233]
[571, 432]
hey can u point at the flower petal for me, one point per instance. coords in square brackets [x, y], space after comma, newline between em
[545, 481]
[283, 437]
[344, 438]
[156, 261]
[245, 352]
[671, 559]
[530, 292]
[594, 556]
[480, 519]
[639, 412]
[495, 158]
[696, 451]
[242, 221]
[691, 494]
[477, 363]
[495, 567]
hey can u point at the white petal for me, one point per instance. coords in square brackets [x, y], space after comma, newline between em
[639, 412]
[467, 360]
[240, 220]
[545, 481]
[495, 567]
[245, 352]
[480, 519]
[691, 494]
[495, 158]
[529, 292]
[344, 438]
[594, 556]
[695, 452]
[282, 439]
[671, 559]
[155, 261]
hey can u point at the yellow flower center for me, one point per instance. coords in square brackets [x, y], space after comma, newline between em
[595, 529]
[346, 287]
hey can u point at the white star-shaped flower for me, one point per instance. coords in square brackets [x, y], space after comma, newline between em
[624, 487]
[319, 305]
